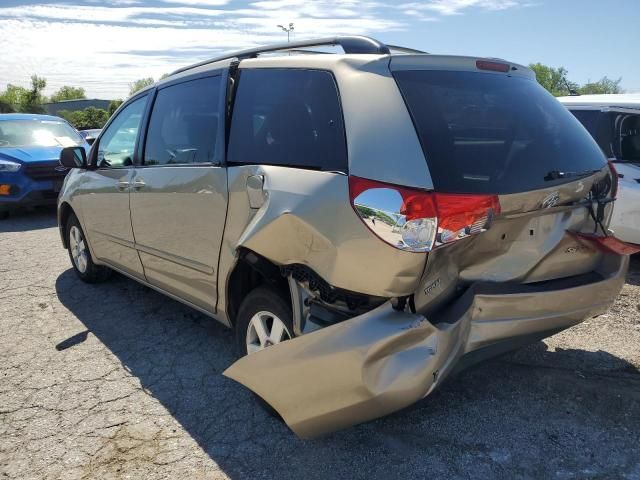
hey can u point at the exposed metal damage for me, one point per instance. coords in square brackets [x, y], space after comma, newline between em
[384, 360]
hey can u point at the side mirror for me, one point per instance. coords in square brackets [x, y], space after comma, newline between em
[73, 157]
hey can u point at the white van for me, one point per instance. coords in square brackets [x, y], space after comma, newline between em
[614, 122]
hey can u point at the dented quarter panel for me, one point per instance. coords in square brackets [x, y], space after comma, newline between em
[384, 360]
[292, 227]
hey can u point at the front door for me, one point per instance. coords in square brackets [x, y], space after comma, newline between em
[179, 192]
[105, 192]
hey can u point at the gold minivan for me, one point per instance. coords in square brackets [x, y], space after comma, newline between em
[378, 219]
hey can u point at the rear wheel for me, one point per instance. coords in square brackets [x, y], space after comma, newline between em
[81, 256]
[264, 319]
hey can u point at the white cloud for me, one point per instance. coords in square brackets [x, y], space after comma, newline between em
[200, 3]
[105, 45]
[455, 7]
[101, 14]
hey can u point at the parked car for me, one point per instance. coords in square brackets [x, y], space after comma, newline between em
[30, 172]
[614, 122]
[90, 135]
[392, 216]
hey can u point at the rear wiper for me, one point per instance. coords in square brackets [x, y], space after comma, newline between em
[557, 174]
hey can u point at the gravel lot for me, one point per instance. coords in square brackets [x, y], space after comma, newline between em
[117, 381]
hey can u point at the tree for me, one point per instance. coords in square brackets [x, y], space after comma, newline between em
[554, 80]
[32, 101]
[95, 117]
[604, 85]
[140, 84]
[6, 107]
[68, 93]
[113, 106]
[90, 117]
[12, 98]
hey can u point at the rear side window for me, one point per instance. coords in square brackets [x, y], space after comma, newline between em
[184, 124]
[601, 127]
[629, 127]
[493, 133]
[288, 117]
[617, 133]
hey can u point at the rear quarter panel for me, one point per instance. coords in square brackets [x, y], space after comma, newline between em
[307, 219]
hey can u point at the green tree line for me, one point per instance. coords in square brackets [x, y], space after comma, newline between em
[16, 99]
[556, 81]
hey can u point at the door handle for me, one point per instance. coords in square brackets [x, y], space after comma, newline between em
[123, 185]
[138, 184]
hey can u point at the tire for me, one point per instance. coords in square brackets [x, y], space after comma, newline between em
[262, 300]
[80, 255]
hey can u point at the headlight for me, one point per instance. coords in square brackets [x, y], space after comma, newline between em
[7, 166]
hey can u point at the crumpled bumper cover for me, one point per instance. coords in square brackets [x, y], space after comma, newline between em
[385, 360]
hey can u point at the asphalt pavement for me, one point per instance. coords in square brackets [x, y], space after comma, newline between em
[117, 381]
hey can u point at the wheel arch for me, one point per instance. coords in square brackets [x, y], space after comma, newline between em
[65, 210]
[251, 271]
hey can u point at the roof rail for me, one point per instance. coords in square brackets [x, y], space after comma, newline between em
[350, 44]
[398, 48]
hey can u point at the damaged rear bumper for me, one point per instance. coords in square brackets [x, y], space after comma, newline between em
[385, 360]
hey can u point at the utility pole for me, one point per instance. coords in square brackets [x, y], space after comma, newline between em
[288, 29]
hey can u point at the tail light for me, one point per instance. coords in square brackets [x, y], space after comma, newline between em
[419, 221]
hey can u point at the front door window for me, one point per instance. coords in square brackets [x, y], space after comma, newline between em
[118, 142]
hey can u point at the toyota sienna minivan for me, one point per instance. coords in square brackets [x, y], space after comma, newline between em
[367, 222]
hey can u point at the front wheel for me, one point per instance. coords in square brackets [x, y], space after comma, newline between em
[81, 256]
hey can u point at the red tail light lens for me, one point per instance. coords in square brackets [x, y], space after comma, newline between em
[416, 220]
[462, 215]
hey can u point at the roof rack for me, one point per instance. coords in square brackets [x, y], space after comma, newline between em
[398, 48]
[350, 44]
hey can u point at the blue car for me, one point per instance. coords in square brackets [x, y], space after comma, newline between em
[30, 174]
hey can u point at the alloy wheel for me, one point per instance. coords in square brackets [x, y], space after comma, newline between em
[78, 249]
[265, 329]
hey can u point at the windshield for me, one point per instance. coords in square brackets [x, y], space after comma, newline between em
[493, 133]
[37, 133]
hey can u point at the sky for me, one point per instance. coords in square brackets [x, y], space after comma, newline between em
[104, 45]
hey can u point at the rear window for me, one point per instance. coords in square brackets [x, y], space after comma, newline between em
[288, 117]
[492, 133]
